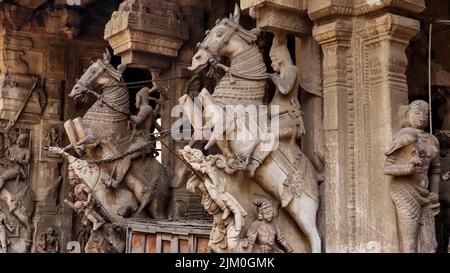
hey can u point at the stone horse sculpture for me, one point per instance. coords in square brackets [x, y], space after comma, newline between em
[103, 137]
[286, 173]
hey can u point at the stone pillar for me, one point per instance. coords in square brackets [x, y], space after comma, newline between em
[335, 41]
[364, 83]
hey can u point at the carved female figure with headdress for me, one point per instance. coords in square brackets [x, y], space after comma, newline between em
[413, 159]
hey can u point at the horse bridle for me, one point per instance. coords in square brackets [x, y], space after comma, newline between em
[232, 30]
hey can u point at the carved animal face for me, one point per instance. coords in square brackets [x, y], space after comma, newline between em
[96, 76]
[216, 42]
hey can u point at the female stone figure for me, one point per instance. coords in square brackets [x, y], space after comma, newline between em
[413, 159]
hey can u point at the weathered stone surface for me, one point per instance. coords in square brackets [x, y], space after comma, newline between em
[279, 15]
[137, 30]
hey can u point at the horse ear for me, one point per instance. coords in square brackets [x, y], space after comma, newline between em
[121, 68]
[237, 13]
[107, 57]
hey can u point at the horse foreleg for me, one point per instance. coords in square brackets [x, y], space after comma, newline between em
[304, 212]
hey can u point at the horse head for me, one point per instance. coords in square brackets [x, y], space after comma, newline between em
[226, 38]
[96, 76]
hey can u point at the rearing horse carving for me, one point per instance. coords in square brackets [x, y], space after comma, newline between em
[286, 173]
[103, 137]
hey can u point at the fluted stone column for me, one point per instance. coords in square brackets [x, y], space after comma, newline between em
[364, 83]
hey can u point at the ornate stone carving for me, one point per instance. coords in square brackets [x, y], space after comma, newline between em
[95, 132]
[4, 228]
[48, 241]
[263, 233]
[62, 21]
[321, 9]
[413, 159]
[52, 134]
[227, 213]
[363, 6]
[285, 168]
[16, 195]
[56, 61]
[142, 30]
[279, 15]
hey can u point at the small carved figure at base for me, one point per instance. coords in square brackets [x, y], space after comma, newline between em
[48, 241]
[84, 209]
[263, 232]
[4, 226]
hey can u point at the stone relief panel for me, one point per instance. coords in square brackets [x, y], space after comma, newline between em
[52, 134]
[284, 172]
[16, 195]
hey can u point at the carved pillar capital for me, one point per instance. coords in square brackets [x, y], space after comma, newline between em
[318, 10]
[335, 40]
[410, 6]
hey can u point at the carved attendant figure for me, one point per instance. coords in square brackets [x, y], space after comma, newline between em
[53, 137]
[4, 226]
[413, 159]
[227, 213]
[86, 210]
[286, 81]
[18, 157]
[48, 241]
[263, 233]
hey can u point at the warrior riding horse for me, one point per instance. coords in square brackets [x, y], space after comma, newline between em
[103, 136]
[286, 173]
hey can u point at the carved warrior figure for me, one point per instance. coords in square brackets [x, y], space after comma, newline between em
[18, 158]
[285, 173]
[228, 215]
[48, 241]
[4, 228]
[144, 125]
[103, 136]
[286, 81]
[413, 159]
[264, 233]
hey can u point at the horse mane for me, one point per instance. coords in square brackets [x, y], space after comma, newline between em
[250, 36]
[116, 74]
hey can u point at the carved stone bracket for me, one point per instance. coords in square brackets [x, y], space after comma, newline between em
[279, 15]
[322, 9]
[142, 34]
[364, 6]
